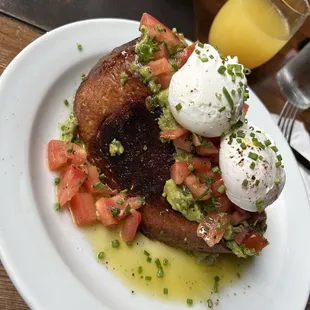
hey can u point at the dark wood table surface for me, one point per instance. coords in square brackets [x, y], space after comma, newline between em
[22, 21]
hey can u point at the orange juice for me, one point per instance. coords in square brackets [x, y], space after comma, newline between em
[253, 30]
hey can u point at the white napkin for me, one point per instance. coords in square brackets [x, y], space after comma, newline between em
[300, 141]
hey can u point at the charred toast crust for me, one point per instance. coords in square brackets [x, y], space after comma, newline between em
[102, 92]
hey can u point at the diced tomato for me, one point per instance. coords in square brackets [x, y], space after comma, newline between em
[83, 210]
[240, 236]
[213, 227]
[70, 183]
[203, 176]
[183, 143]
[103, 207]
[215, 187]
[204, 150]
[161, 33]
[201, 165]
[197, 189]
[182, 57]
[179, 172]
[162, 53]
[160, 66]
[59, 152]
[255, 241]
[135, 202]
[242, 211]
[257, 217]
[165, 79]
[77, 156]
[93, 180]
[56, 154]
[245, 108]
[130, 226]
[238, 217]
[173, 133]
[196, 140]
[223, 204]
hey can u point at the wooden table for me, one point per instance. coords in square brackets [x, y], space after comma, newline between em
[23, 21]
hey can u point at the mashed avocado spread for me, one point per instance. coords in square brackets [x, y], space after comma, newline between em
[181, 199]
[68, 128]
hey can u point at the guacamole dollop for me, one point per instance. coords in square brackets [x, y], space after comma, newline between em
[68, 128]
[181, 199]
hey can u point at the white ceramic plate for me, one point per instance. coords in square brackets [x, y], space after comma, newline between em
[46, 256]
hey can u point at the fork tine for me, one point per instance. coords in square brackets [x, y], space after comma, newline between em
[289, 117]
[283, 112]
[292, 125]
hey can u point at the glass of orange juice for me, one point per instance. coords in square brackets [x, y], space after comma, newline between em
[255, 30]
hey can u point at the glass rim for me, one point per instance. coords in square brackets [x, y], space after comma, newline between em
[307, 8]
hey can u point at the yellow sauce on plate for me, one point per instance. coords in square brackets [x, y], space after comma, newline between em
[183, 277]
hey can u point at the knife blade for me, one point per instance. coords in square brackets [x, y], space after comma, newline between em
[301, 159]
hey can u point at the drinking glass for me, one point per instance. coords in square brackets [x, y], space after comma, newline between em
[294, 79]
[254, 30]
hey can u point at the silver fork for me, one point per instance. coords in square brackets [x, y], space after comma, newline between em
[287, 119]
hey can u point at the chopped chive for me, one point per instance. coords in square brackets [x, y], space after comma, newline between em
[197, 52]
[218, 96]
[66, 102]
[146, 253]
[174, 30]
[158, 263]
[140, 269]
[245, 183]
[123, 78]
[267, 142]
[70, 149]
[277, 181]
[252, 134]
[191, 168]
[210, 303]
[165, 291]
[233, 78]
[148, 278]
[216, 169]
[222, 189]
[160, 28]
[99, 185]
[211, 56]
[57, 206]
[252, 166]
[204, 59]
[221, 70]
[259, 204]
[246, 71]
[257, 182]
[216, 284]
[165, 262]
[189, 302]
[239, 140]
[114, 211]
[160, 273]
[240, 134]
[260, 157]
[178, 107]
[278, 164]
[102, 176]
[127, 210]
[115, 243]
[243, 145]
[223, 108]
[200, 44]
[83, 77]
[253, 156]
[79, 46]
[144, 147]
[120, 201]
[274, 148]
[149, 259]
[279, 157]
[100, 255]
[229, 99]
[56, 181]
[128, 243]
[233, 135]
[233, 92]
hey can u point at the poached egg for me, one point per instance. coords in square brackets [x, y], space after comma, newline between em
[207, 94]
[252, 168]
